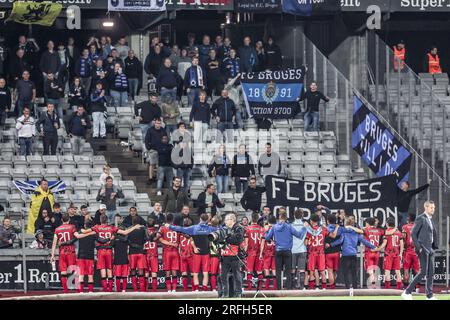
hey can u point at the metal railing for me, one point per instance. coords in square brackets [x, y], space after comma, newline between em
[337, 115]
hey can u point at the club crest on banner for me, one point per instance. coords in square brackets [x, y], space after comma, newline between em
[270, 92]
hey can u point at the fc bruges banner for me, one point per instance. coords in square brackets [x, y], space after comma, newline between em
[364, 199]
[259, 6]
[311, 7]
[136, 5]
[377, 146]
[273, 94]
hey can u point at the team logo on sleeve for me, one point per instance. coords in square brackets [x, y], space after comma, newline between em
[270, 92]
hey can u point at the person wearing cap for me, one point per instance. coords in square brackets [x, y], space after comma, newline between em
[101, 210]
[146, 112]
[39, 242]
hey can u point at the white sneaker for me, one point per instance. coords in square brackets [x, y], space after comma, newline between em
[317, 289]
[124, 291]
[406, 296]
[432, 298]
[159, 193]
[304, 289]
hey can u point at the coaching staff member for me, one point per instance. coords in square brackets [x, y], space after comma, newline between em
[424, 236]
[283, 234]
[230, 260]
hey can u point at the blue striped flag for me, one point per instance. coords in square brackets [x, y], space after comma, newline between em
[29, 187]
[377, 146]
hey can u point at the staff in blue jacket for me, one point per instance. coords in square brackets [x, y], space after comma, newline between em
[350, 240]
[283, 234]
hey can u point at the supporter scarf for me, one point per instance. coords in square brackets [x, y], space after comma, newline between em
[196, 76]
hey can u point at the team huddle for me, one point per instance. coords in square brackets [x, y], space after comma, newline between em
[132, 254]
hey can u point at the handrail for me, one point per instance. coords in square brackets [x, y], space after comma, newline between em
[373, 109]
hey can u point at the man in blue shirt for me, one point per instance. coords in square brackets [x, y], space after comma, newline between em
[283, 234]
[350, 239]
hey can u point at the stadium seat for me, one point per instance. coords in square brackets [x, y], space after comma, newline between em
[20, 162]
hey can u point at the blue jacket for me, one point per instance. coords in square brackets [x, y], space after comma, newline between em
[196, 230]
[350, 241]
[199, 234]
[298, 245]
[283, 233]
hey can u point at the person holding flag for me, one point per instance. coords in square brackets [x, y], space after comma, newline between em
[42, 199]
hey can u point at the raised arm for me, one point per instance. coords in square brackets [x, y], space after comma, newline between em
[365, 242]
[190, 231]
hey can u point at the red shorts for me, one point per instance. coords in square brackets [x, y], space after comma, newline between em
[137, 261]
[66, 260]
[411, 261]
[269, 263]
[186, 263]
[152, 263]
[391, 262]
[200, 262]
[316, 261]
[121, 270]
[86, 267]
[371, 260]
[171, 260]
[104, 259]
[332, 261]
[214, 265]
[254, 263]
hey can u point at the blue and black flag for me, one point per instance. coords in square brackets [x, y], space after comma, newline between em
[311, 7]
[377, 146]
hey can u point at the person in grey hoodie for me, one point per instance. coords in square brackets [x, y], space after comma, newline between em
[299, 254]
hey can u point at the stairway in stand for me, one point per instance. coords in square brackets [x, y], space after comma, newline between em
[129, 163]
[130, 166]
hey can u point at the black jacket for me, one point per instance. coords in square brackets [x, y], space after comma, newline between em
[77, 96]
[160, 219]
[243, 170]
[75, 126]
[133, 68]
[127, 221]
[167, 78]
[200, 112]
[251, 200]
[273, 57]
[201, 205]
[225, 109]
[149, 112]
[17, 67]
[174, 201]
[164, 154]
[48, 227]
[5, 99]
[50, 62]
[217, 165]
[48, 122]
[52, 89]
[404, 197]
[153, 63]
[153, 138]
